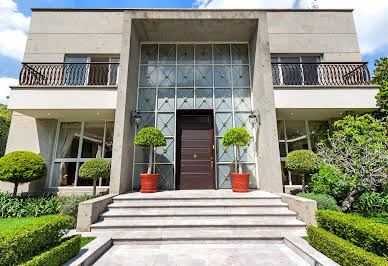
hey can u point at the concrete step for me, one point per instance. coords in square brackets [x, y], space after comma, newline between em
[199, 202]
[189, 204]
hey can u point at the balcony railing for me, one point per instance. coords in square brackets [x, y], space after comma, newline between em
[68, 74]
[324, 74]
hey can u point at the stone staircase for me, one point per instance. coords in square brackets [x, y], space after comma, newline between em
[187, 216]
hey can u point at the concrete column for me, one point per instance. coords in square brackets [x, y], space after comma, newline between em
[267, 147]
[124, 133]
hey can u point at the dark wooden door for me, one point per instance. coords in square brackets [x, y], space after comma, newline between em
[195, 150]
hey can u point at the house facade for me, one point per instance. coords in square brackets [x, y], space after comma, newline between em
[92, 78]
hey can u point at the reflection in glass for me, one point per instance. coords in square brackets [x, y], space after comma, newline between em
[64, 174]
[318, 132]
[296, 135]
[109, 139]
[68, 140]
[282, 139]
[93, 140]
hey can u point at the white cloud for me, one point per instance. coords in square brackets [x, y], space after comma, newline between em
[4, 88]
[13, 30]
[370, 16]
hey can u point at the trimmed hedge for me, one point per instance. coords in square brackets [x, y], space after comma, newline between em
[59, 254]
[324, 201]
[340, 250]
[20, 244]
[360, 231]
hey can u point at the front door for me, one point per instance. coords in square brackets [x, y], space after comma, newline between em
[195, 150]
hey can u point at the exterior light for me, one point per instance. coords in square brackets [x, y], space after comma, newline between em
[136, 118]
[253, 118]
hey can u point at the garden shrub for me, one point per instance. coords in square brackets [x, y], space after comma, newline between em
[324, 202]
[28, 206]
[70, 206]
[362, 232]
[237, 137]
[21, 167]
[372, 203]
[58, 255]
[5, 122]
[20, 244]
[340, 250]
[95, 169]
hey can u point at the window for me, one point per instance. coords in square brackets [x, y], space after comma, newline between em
[295, 70]
[76, 143]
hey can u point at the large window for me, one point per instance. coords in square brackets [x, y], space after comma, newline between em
[76, 143]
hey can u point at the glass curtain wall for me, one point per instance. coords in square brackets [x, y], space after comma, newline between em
[194, 76]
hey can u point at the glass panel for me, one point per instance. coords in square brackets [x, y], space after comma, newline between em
[242, 120]
[68, 140]
[224, 176]
[282, 140]
[224, 122]
[146, 100]
[203, 54]
[221, 54]
[222, 76]
[318, 131]
[138, 169]
[247, 153]
[310, 71]
[186, 54]
[166, 176]
[241, 76]
[149, 54]
[284, 173]
[275, 72]
[165, 154]
[114, 71]
[291, 73]
[148, 76]
[166, 123]
[167, 54]
[240, 54]
[167, 76]
[203, 76]
[223, 99]
[93, 140]
[185, 76]
[166, 99]
[105, 182]
[147, 120]
[204, 98]
[75, 74]
[81, 182]
[242, 99]
[64, 174]
[185, 99]
[141, 154]
[224, 154]
[109, 139]
[251, 169]
[296, 135]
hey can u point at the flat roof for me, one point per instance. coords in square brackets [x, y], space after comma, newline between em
[191, 9]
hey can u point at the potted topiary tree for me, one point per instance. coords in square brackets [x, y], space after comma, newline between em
[302, 162]
[150, 137]
[238, 137]
[21, 167]
[95, 169]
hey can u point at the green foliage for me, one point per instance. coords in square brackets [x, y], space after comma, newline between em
[340, 250]
[21, 244]
[360, 231]
[28, 206]
[381, 78]
[21, 167]
[95, 169]
[70, 206]
[236, 136]
[302, 162]
[150, 136]
[378, 217]
[58, 255]
[331, 181]
[86, 240]
[372, 203]
[5, 122]
[324, 202]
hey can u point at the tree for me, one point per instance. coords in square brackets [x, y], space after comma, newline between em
[358, 147]
[239, 137]
[95, 169]
[302, 162]
[381, 78]
[150, 137]
[5, 122]
[21, 167]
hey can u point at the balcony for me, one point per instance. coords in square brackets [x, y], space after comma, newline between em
[320, 74]
[69, 74]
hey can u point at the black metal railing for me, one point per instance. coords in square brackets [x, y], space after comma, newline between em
[68, 74]
[324, 73]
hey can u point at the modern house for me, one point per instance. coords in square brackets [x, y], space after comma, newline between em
[92, 78]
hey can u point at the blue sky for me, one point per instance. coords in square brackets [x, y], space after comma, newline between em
[370, 19]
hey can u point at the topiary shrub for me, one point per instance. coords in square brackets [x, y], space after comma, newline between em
[302, 162]
[238, 137]
[324, 202]
[150, 137]
[21, 167]
[95, 169]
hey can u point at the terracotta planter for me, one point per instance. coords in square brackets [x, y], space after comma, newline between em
[240, 182]
[149, 183]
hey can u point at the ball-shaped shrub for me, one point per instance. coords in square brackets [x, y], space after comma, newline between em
[95, 169]
[324, 201]
[21, 167]
[150, 136]
[236, 136]
[302, 162]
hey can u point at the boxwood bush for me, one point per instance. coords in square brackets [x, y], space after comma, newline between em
[58, 255]
[324, 202]
[95, 169]
[340, 250]
[362, 232]
[22, 243]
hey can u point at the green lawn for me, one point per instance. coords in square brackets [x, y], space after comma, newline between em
[86, 240]
[9, 223]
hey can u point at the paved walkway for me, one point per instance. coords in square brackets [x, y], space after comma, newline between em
[200, 254]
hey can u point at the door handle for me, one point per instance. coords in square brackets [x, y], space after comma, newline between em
[195, 156]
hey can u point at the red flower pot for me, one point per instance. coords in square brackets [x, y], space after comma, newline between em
[149, 183]
[240, 182]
